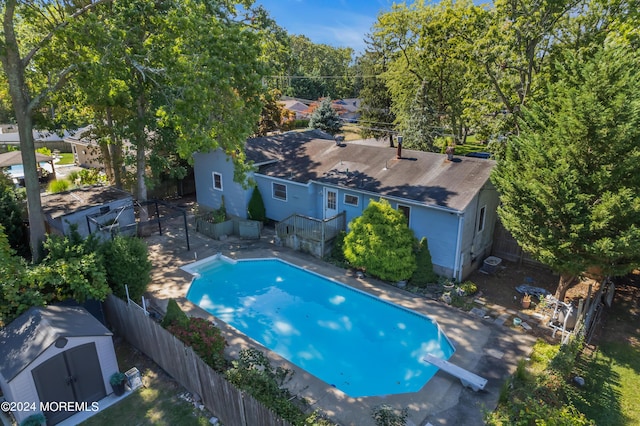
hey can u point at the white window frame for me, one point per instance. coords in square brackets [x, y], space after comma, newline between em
[352, 204]
[482, 218]
[213, 176]
[408, 216]
[273, 191]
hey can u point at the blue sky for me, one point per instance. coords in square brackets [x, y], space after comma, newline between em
[338, 23]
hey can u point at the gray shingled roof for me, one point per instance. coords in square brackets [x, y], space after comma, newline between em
[62, 203]
[26, 337]
[424, 177]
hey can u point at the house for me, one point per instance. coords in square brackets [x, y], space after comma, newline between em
[9, 137]
[451, 203]
[53, 354]
[349, 108]
[297, 107]
[93, 209]
[85, 148]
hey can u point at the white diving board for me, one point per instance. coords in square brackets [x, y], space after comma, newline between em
[467, 378]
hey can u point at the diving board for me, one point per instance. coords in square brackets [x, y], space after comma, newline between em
[467, 378]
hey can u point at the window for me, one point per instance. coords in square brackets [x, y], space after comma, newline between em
[217, 181]
[406, 211]
[280, 191]
[481, 218]
[351, 200]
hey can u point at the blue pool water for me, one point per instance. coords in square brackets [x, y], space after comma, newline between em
[351, 340]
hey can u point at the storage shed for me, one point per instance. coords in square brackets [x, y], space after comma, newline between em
[54, 354]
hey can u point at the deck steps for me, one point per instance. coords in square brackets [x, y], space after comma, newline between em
[468, 379]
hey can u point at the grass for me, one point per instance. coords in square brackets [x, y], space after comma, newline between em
[155, 404]
[65, 158]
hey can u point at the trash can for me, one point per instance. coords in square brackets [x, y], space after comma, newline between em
[491, 264]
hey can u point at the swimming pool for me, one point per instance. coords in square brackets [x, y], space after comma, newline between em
[356, 342]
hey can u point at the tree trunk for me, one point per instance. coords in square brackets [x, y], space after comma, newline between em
[391, 140]
[565, 283]
[19, 92]
[141, 163]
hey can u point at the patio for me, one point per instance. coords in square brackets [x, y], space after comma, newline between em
[483, 347]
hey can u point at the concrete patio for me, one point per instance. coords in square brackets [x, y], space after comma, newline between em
[482, 346]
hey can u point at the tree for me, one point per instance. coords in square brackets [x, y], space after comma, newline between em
[376, 117]
[273, 113]
[568, 185]
[29, 29]
[424, 271]
[325, 118]
[381, 242]
[11, 215]
[422, 126]
[256, 208]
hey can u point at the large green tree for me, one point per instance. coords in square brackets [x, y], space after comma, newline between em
[325, 118]
[381, 242]
[569, 184]
[31, 32]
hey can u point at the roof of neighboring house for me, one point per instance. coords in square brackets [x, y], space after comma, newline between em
[349, 104]
[29, 335]
[82, 136]
[38, 136]
[293, 105]
[13, 158]
[62, 203]
[425, 177]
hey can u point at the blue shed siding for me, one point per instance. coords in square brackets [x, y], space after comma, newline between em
[235, 196]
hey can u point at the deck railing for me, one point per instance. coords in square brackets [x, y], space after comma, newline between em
[313, 231]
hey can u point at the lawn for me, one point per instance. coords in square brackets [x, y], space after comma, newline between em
[157, 403]
[65, 158]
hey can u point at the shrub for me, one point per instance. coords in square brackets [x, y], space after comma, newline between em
[205, 339]
[117, 378]
[337, 251]
[256, 208]
[11, 214]
[469, 288]
[127, 262]
[385, 415]
[424, 267]
[59, 186]
[174, 315]
[34, 420]
[253, 373]
[380, 242]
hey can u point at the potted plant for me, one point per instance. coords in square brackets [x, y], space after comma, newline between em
[117, 381]
[526, 301]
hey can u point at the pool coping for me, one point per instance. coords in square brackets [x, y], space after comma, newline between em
[482, 347]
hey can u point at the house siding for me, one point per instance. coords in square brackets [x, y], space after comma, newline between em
[235, 196]
[22, 388]
[301, 198]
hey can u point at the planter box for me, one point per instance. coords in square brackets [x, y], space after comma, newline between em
[214, 230]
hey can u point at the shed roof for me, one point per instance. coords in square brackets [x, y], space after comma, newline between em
[29, 335]
[424, 177]
[62, 203]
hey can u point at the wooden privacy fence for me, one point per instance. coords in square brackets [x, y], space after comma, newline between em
[232, 406]
[309, 234]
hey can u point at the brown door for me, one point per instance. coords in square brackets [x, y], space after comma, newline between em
[73, 375]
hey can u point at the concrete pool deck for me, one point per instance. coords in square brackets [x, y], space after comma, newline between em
[482, 347]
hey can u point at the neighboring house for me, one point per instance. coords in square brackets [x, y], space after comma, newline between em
[452, 203]
[55, 354]
[85, 149]
[93, 209]
[296, 107]
[9, 136]
[350, 109]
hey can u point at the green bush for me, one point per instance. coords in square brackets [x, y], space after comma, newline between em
[174, 315]
[256, 208]
[253, 373]
[34, 420]
[61, 185]
[127, 262]
[337, 251]
[424, 267]
[469, 288]
[11, 216]
[381, 243]
[205, 339]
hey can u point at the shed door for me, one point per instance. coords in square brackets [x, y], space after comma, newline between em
[73, 375]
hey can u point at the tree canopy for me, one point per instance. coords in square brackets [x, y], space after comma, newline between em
[325, 118]
[568, 184]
